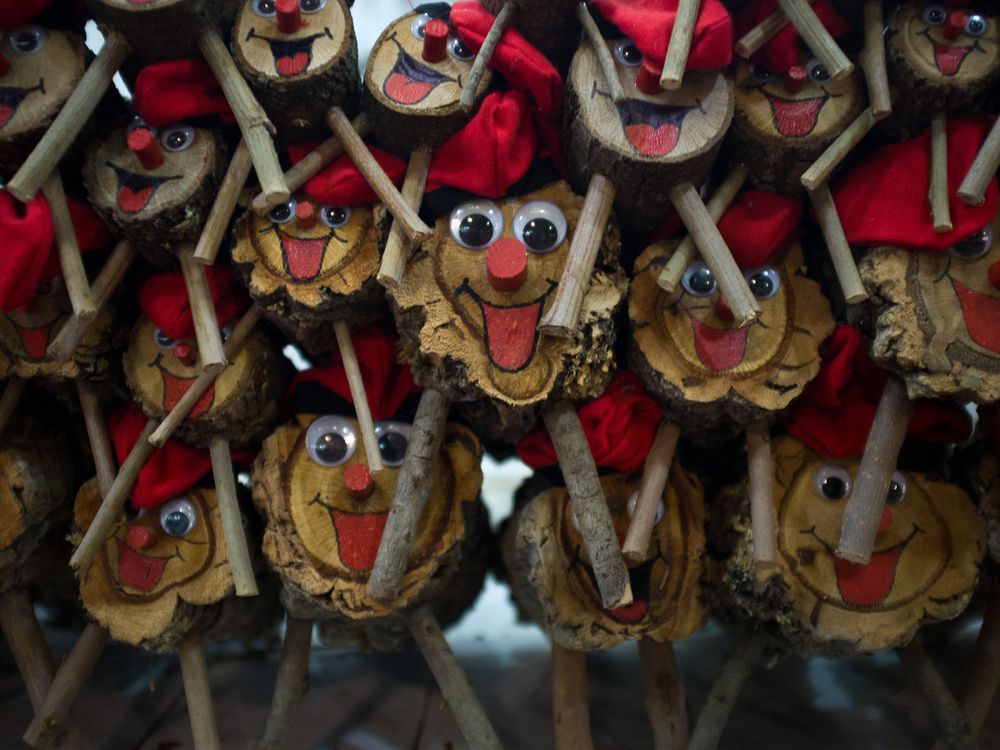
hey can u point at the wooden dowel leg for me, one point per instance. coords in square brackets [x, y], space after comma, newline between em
[983, 169]
[949, 715]
[198, 694]
[291, 683]
[396, 252]
[206, 326]
[982, 679]
[836, 244]
[820, 171]
[679, 47]
[706, 236]
[232, 519]
[225, 203]
[655, 473]
[940, 210]
[873, 60]
[604, 58]
[570, 704]
[561, 318]
[762, 33]
[413, 485]
[451, 679]
[75, 112]
[8, 400]
[356, 383]
[733, 675]
[663, 691]
[27, 644]
[97, 434]
[761, 479]
[482, 61]
[867, 500]
[73, 273]
[817, 38]
[590, 508]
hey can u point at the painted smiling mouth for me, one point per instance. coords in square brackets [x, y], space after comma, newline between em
[291, 56]
[11, 98]
[410, 81]
[302, 256]
[720, 349]
[36, 340]
[947, 58]
[795, 118]
[981, 313]
[652, 129]
[174, 388]
[358, 537]
[138, 571]
[136, 190]
[511, 331]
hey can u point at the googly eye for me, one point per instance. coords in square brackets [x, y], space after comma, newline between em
[393, 437]
[817, 71]
[50, 288]
[178, 517]
[335, 216]
[417, 27]
[177, 137]
[935, 15]
[283, 213]
[759, 74]
[627, 53]
[833, 482]
[763, 282]
[312, 6]
[897, 489]
[264, 8]
[634, 501]
[161, 339]
[330, 440]
[975, 25]
[540, 226]
[139, 124]
[975, 245]
[476, 224]
[459, 51]
[698, 279]
[133, 514]
[225, 332]
[27, 39]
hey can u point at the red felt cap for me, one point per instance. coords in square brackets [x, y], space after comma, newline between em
[619, 424]
[163, 299]
[835, 411]
[176, 90]
[340, 183]
[649, 23]
[15, 12]
[883, 199]
[786, 48]
[759, 224]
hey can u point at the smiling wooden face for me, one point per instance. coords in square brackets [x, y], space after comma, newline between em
[942, 44]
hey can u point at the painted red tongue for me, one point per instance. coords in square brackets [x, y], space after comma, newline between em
[174, 388]
[631, 613]
[982, 316]
[358, 536]
[289, 65]
[650, 141]
[511, 333]
[795, 119]
[35, 341]
[949, 59]
[719, 348]
[5, 114]
[133, 201]
[138, 571]
[869, 584]
[404, 90]
[304, 256]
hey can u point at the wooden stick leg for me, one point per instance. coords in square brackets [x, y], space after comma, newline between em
[97, 434]
[873, 60]
[291, 683]
[225, 203]
[451, 679]
[761, 474]
[357, 385]
[836, 244]
[762, 33]
[8, 400]
[818, 39]
[949, 715]
[570, 704]
[589, 505]
[654, 478]
[482, 61]
[562, 317]
[73, 273]
[820, 171]
[604, 58]
[413, 485]
[232, 519]
[663, 691]
[983, 169]
[680, 44]
[983, 675]
[201, 711]
[206, 326]
[396, 252]
[736, 670]
[940, 210]
[867, 500]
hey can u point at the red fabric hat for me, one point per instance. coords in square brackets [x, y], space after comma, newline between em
[836, 410]
[649, 23]
[15, 12]
[163, 299]
[388, 384]
[786, 48]
[883, 200]
[619, 424]
[176, 90]
[759, 224]
[340, 183]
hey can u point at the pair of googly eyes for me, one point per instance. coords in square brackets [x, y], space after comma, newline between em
[178, 517]
[26, 40]
[332, 440]
[975, 24]
[50, 288]
[973, 246]
[333, 216]
[163, 341]
[538, 225]
[833, 482]
[815, 69]
[699, 281]
[456, 47]
[633, 501]
[177, 137]
[268, 8]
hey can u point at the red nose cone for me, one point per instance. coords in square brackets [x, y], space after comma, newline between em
[289, 17]
[647, 79]
[185, 352]
[305, 214]
[435, 41]
[358, 482]
[4, 66]
[795, 79]
[994, 274]
[886, 520]
[955, 24]
[141, 537]
[506, 265]
[142, 143]
[722, 310]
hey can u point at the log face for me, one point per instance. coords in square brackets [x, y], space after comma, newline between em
[159, 30]
[322, 542]
[553, 583]
[704, 368]
[933, 319]
[470, 340]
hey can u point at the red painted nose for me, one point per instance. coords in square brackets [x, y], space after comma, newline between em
[722, 309]
[142, 143]
[435, 41]
[795, 79]
[994, 275]
[141, 537]
[886, 520]
[4, 66]
[647, 79]
[305, 214]
[358, 482]
[955, 24]
[185, 352]
[289, 17]
[506, 264]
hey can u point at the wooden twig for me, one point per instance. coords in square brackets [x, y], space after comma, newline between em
[232, 519]
[562, 317]
[225, 203]
[817, 38]
[761, 481]
[414, 229]
[482, 61]
[206, 326]
[70, 262]
[8, 400]
[949, 715]
[590, 508]
[982, 677]
[762, 33]
[821, 170]
[570, 704]
[867, 500]
[75, 112]
[983, 169]
[663, 691]
[413, 485]
[873, 61]
[451, 679]
[604, 58]
[27, 644]
[679, 46]
[356, 383]
[198, 693]
[940, 211]
[396, 252]
[655, 473]
[836, 244]
[97, 434]
[290, 684]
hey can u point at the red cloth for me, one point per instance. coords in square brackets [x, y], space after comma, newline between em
[90, 230]
[176, 90]
[620, 425]
[883, 200]
[163, 299]
[387, 382]
[340, 183]
[504, 144]
[648, 23]
[835, 411]
[758, 224]
[15, 12]
[786, 48]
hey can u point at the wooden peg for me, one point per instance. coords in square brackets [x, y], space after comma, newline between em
[663, 692]
[206, 326]
[74, 275]
[413, 485]
[27, 644]
[983, 169]
[836, 244]
[356, 383]
[570, 704]
[949, 715]
[867, 501]
[873, 61]
[817, 38]
[290, 685]
[63, 131]
[97, 433]
[679, 46]
[232, 519]
[940, 211]
[762, 33]
[604, 58]
[561, 318]
[198, 693]
[655, 473]
[8, 400]
[396, 252]
[225, 203]
[761, 476]
[821, 170]
[468, 98]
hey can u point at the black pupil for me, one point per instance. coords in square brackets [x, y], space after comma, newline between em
[460, 49]
[631, 54]
[761, 284]
[281, 213]
[834, 488]
[971, 246]
[265, 6]
[820, 73]
[392, 446]
[762, 73]
[336, 215]
[475, 230]
[25, 41]
[163, 339]
[331, 447]
[936, 15]
[131, 513]
[976, 25]
[701, 281]
[309, 4]
[176, 139]
[895, 492]
[176, 523]
[540, 234]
